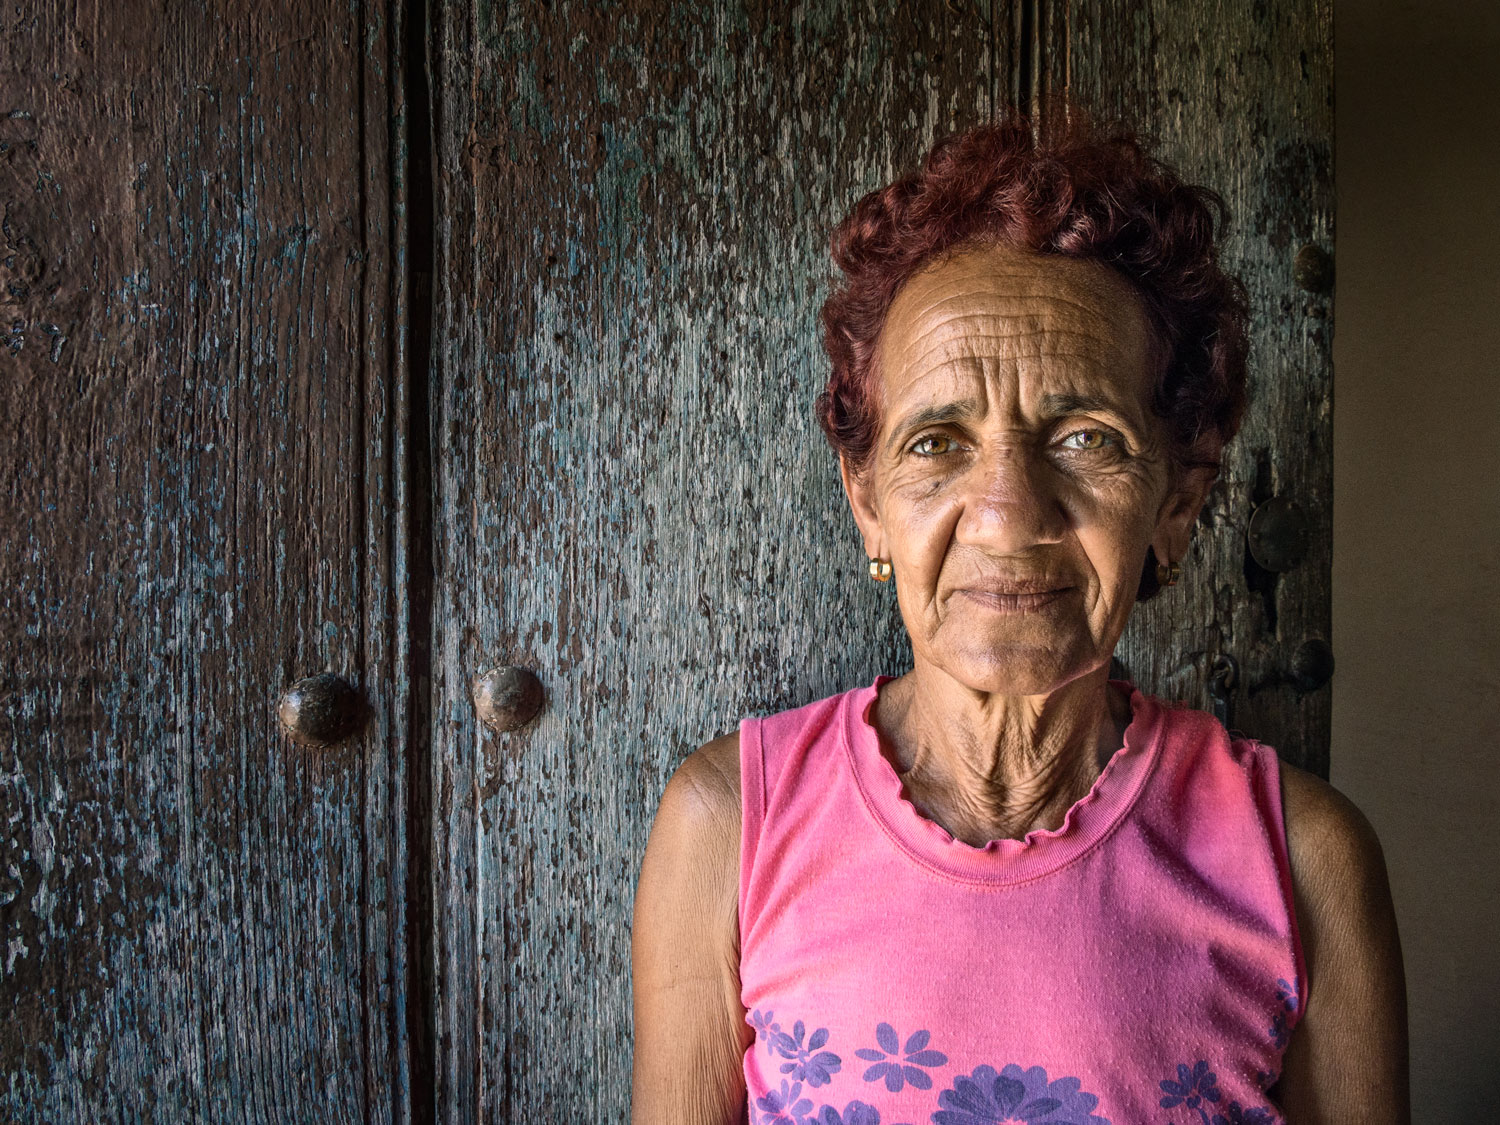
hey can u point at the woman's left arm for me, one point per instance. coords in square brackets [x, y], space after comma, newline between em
[1347, 1059]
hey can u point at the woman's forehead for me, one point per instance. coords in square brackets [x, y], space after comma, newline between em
[1048, 322]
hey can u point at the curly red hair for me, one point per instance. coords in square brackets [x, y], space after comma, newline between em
[1079, 192]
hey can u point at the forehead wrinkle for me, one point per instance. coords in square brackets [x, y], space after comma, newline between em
[1102, 332]
[1092, 310]
[1035, 319]
[1027, 323]
[1039, 280]
[1042, 285]
[1067, 395]
[923, 362]
[1069, 398]
[1056, 324]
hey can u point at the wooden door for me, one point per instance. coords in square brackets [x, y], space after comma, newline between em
[631, 496]
[407, 339]
[201, 421]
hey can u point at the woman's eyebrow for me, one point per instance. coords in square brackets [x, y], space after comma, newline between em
[1057, 404]
[935, 415]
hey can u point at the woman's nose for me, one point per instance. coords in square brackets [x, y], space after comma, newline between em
[1013, 503]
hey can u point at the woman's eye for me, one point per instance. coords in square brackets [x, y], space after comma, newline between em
[1089, 439]
[933, 445]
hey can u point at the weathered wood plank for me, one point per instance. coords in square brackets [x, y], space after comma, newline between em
[633, 497]
[1239, 98]
[197, 407]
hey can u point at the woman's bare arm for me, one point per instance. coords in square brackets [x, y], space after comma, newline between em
[1347, 1059]
[690, 1030]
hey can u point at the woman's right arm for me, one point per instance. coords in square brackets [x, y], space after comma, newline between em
[690, 1030]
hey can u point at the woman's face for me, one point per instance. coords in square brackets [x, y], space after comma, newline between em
[1018, 475]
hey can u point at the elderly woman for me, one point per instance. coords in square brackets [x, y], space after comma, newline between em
[1003, 887]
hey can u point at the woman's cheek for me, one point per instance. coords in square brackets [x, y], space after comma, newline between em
[924, 498]
[1122, 501]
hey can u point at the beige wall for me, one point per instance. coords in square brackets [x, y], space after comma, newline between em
[1416, 582]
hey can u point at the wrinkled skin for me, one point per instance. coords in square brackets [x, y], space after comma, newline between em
[1016, 482]
[1019, 475]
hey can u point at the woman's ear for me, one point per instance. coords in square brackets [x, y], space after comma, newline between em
[1179, 511]
[858, 488]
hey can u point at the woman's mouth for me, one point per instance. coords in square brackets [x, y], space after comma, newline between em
[1015, 597]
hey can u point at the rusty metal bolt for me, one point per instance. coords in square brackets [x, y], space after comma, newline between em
[1313, 269]
[507, 698]
[322, 710]
[1311, 666]
[1278, 535]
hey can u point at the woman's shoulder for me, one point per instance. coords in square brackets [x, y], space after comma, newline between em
[703, 801]
[706, 788]
[691, 867]
[709, 777]
[1324, 829]
[700, 808]
[1332, 846]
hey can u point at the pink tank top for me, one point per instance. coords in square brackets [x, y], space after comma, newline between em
[1138, 964]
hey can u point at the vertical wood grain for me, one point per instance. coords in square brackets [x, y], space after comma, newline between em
[1239, 98]
[632, 496]
[218, 415]
[199, 403]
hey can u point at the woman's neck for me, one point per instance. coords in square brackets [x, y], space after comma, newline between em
[988, 766]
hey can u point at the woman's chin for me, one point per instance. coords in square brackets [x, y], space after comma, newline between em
[1016, 669]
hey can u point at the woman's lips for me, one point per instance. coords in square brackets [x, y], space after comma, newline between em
[1015, 599]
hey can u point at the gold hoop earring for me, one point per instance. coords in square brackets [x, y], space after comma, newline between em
[1167, 574]
[880, 570]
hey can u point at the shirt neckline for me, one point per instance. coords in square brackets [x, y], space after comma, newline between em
[1001, 862]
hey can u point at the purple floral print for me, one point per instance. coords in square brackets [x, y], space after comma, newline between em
[1237, 1115]
[898, 1065]
[990, 1097]
[785, 1107]
[807, 1063]
[765, 1028]
[1280, 1031]
[1198, 1087]
[1193, 1087]
[855, 1113]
